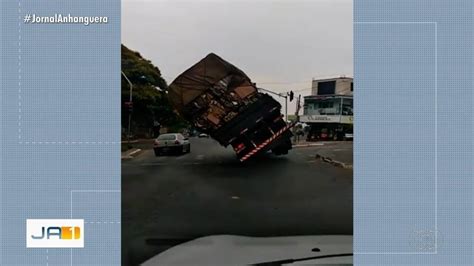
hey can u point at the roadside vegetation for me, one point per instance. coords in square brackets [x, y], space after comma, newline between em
[150, 101]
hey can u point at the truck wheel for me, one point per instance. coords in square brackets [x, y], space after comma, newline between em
[283, 148]
[280, 151]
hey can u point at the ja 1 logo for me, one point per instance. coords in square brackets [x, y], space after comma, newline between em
[54, 233]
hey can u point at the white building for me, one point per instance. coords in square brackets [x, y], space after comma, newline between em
[329, 108]
[334, 86]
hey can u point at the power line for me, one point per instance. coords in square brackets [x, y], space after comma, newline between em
[283, 83]
[282, 92]
[300, 90]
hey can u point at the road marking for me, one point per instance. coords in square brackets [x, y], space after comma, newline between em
[235, 197]
[200, 157]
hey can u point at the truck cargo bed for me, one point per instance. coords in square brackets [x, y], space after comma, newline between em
[220, 100]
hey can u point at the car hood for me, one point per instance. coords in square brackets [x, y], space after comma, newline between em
[240, 250]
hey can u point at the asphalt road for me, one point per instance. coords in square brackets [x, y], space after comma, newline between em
[209, 192]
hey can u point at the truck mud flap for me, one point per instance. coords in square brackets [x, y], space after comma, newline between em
[266, 142]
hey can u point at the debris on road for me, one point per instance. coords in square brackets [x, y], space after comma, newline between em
[333, 162]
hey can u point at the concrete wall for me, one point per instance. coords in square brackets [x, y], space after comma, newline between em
[343, 86]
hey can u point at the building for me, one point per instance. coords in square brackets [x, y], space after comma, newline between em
[329, 109]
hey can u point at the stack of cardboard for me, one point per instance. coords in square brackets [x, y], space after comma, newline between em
[211, 92]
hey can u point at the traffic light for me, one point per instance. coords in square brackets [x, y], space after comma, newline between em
[292, 95]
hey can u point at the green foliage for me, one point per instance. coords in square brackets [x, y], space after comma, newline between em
[150, 101]
[140, 70]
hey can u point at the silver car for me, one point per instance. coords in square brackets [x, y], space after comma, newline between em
[171, 142]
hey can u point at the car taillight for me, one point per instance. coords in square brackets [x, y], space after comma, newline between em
[176, 142]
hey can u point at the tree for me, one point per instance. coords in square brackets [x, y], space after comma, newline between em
[150, 101]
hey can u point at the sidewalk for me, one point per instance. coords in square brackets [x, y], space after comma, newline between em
[138, 141]
[137, 144]
[135, 147]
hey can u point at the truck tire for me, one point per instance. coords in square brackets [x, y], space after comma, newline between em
[280, 151]
[283, 148]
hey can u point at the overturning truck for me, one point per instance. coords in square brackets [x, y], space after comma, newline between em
[220, 100]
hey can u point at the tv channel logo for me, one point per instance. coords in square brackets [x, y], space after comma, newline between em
[54, 233]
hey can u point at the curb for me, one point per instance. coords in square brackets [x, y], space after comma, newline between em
[315, 144]
[333, 162]
[126, 141]
[131, 154]
[307, 145]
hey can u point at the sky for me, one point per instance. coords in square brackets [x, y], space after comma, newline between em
[281, 45]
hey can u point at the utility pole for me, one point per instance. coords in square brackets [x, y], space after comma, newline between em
[298, 106]
[295, 133]
[130, 106]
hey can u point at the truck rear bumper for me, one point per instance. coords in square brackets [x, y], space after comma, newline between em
[267, 144]
[257, 129]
